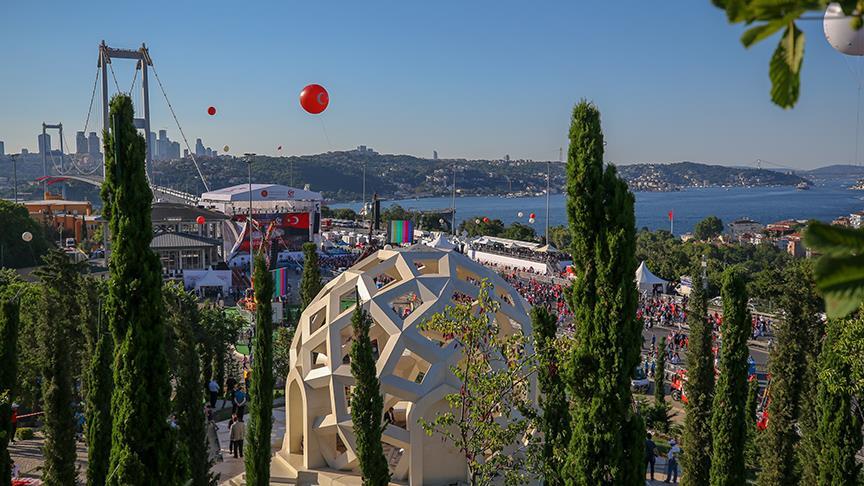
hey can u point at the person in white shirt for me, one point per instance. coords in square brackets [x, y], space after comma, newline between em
[672, 462]
[214, 392]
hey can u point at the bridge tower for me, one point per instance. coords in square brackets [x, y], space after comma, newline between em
[143, 61]
[45, 148]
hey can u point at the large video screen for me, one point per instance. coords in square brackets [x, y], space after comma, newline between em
[400, 232]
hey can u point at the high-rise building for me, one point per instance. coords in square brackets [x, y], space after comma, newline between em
[199, 147]
[434, 155]
[174, 152]
[93, 145]
[162, 146]
[185, 153]
[507, 158]
[81, 143]
[43, 141]
[2, 148]
[24, 151]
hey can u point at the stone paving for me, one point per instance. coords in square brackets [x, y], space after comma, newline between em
[27, 454]
[230, 467]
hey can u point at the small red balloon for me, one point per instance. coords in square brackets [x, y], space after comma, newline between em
[200, 220]
[211, 111]
[314, 98]
[531, 215]
[485, 220]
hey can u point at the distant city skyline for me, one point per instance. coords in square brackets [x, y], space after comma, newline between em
[672, 80]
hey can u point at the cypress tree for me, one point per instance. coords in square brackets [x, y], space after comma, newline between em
[367, 404]
[310, 281]
[100, 384]
[194, 465]
[660, 374]
[60, 312]
[696, 442]
[793, 343]
[839, 427]
[261, 390]
[8, 372]
[751, 449]
[555, 421]
[141, 448]
[729, 422]
[607, 441]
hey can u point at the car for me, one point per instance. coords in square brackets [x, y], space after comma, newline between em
[639, 383]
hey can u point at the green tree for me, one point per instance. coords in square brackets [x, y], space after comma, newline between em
[310, 281]
[839, 427]
[794, 340]
[282, 350]
[261, 390]
[99, 386]
[764, 19]
[708, 228]
[193, 461]
[486, 418]
[519, 231]
[559, 236]
[554, 423]
[479, 226]
[607, 443]
[696, 442]
[367, 404]
[729, 422]
[14, 251]
[752, 457]
[660, 373]
[61, 315]
[142, 448]
[221, 331]
[8, 375]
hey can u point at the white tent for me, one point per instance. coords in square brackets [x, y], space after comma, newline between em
[442, 243]
[646, 280]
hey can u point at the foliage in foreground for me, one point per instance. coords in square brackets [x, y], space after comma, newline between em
[487, 419]
[367, 404]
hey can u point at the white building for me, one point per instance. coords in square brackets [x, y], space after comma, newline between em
[743, 226]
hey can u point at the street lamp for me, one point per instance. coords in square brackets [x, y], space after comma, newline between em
[454, 198]
[247, 157]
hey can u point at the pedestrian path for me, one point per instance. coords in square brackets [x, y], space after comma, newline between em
[230, 467]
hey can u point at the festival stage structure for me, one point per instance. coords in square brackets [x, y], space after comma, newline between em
[400, 288]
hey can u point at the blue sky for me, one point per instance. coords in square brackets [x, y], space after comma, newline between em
[476, 79]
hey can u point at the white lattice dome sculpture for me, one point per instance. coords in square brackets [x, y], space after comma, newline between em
[400, 288]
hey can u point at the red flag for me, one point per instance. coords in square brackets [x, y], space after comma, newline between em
[295, 220]
[671, 215]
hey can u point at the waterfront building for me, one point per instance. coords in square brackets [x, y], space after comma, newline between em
[81, 143]
[743, 226]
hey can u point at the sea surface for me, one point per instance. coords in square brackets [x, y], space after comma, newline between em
[824, 201]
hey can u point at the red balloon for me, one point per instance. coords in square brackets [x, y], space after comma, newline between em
[211, 111]
[485, 220]
[314, 98]
[200, 220]
[531, 215]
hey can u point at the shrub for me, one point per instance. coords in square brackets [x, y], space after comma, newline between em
[24, 433]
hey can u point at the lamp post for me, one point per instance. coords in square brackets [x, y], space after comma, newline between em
[454, 198]
[248, 159]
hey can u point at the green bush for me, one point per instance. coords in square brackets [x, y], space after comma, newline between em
[24, 433]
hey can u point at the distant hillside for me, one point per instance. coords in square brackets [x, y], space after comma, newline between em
[837, 171]
[339, 175]
[665, 177]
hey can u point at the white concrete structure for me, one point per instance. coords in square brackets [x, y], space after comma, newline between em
[400, 288]
[266, 198]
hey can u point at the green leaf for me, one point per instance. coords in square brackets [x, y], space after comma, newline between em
[785, 68]
[841, 281]
[761, 32]
[834, 239]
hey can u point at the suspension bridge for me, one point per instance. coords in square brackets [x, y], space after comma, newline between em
[71, 171]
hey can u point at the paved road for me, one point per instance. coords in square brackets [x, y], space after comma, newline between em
[758, 349]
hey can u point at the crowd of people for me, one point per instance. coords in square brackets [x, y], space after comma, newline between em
[662, 311]
[537, 292]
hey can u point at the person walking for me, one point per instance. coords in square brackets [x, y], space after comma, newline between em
[650, 455]
[672, 462]
[214, 392]
[238, 431]
[230, 436]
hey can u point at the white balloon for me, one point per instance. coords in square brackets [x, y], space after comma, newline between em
[840, 33]
[531, 220]
[520, 214]
[476, 221]
[27, 236]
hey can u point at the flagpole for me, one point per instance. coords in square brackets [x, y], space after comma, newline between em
[672, 223]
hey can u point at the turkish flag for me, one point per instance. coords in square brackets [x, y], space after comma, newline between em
[671, 215]
[295, 220]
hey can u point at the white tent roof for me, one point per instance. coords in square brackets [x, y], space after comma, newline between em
[646, 280]
[260, 192]
[547, 249]
[442, 243]
[210, 279]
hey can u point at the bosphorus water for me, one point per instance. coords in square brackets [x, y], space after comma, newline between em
[824, 201]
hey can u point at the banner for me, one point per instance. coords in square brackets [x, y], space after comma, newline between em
[280, 282]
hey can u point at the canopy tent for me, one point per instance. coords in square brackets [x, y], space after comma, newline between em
[547, 249]
[442, 243]
[646, 280]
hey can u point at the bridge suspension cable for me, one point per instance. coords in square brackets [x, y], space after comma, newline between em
[185, 141]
